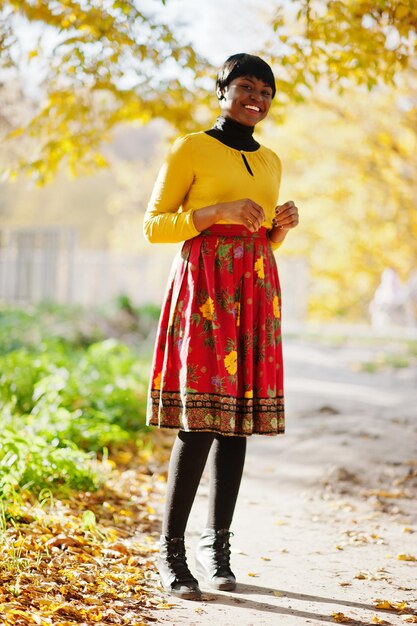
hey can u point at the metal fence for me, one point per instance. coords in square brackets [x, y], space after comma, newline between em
[38, 264]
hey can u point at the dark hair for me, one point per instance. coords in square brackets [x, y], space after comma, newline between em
[243, 64]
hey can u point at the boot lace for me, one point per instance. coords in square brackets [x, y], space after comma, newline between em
[178, 561]
[222, 552]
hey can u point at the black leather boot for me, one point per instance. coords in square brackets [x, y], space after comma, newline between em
[213, 559]
[173, 569]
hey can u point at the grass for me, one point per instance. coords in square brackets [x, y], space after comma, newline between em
[71, 391]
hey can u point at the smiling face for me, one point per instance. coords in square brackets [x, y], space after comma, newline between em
[246, 99]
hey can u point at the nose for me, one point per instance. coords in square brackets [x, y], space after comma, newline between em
[255, 95]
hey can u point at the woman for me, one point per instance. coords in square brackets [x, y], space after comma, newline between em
[217, 369]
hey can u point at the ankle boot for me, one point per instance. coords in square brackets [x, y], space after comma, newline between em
[173, 569]
[213, 559]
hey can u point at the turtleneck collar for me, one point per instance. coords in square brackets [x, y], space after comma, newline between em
[234, 134]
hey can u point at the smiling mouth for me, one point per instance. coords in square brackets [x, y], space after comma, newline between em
[251, 107]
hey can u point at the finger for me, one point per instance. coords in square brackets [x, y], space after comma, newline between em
[255, 205]
[281, 220]
[256, 210]
[256, 215]
[286, 215]
[256, 219]
[287, 224]
[249, 223]
[286, 205]
[283, 213]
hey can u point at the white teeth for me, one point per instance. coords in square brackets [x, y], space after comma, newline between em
[248, 106]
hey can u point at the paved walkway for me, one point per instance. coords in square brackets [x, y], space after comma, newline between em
[325, 510]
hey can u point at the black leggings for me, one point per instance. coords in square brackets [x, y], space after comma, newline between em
[188, 458]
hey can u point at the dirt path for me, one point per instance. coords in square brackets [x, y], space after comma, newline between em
[325, 511]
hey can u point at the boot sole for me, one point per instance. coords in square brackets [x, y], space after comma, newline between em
[221, 586]
[184, 595]
[230, 586]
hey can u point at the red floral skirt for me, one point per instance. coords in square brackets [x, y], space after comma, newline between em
[218, 356]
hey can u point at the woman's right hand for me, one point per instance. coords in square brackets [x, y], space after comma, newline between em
[244, 211]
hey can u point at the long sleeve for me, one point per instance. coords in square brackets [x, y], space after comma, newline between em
[165, 219]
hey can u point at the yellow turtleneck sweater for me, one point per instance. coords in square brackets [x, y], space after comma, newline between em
[201, 171]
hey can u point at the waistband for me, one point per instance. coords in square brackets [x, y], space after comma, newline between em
[233, 230]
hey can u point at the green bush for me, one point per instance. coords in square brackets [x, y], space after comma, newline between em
[34, 464]
[61, 403]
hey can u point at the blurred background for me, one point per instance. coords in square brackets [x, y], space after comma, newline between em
[92, 94]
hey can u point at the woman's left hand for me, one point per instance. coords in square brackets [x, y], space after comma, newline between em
[286, 216]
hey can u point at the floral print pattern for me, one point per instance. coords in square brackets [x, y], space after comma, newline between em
[207, 309]
[230, 362]
[218, 360]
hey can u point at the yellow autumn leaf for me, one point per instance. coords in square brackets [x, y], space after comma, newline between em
[410, 619]
[388, 605]
[341, 618]
[406, 557]
[252, 574]
[378, 620]
[381, 493]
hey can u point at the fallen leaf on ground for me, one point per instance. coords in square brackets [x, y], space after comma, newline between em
[379, 620]
[341, 618]
[63, 542]
[252, 574]
[380, 493]
[410, 619]
[80, 563]
[406, 557]
[391, 606]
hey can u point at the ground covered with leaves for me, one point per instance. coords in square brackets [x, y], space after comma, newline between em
[78, 468]
[87, 558]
